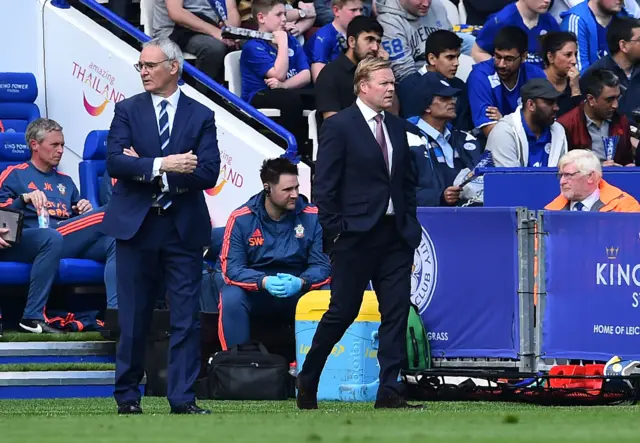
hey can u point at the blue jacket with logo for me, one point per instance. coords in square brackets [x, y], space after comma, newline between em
[256, 246]
[62, 194]
[431, 183]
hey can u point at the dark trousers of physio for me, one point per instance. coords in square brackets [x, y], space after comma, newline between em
[382, 257]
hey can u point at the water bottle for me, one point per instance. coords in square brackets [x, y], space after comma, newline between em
[293, 369]
[43, 218]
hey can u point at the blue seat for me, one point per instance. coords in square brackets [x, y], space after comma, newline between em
[18, 92]
[13, 150]
[72, 271]
[93, 165]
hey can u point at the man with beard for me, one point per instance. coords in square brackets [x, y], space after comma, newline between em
[589, 21]
[530, 137]
[271, 255]
[597, 122]
[334, 86]
[494, 85]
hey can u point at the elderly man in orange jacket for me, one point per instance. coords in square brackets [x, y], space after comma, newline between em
[583, 189]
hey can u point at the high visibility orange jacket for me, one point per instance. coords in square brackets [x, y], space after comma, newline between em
[612, 199]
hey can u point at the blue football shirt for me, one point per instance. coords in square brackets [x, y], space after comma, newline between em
[258, 56]
[325, 45]
[539, 147]
[510, 16]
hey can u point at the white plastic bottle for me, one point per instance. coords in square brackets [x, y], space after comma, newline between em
[43, 218]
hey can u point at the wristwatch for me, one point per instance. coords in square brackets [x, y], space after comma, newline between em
[301, 13]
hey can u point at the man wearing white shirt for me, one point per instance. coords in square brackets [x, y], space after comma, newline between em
[583, 189]
[365, 192]
[163, 152]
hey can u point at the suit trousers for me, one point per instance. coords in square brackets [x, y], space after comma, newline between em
[154, 254]
[384, 258]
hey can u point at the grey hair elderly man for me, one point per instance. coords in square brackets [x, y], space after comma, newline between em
[530, 137]
[163, 152]
[582, 187]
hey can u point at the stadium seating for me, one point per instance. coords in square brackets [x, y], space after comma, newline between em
[18, 92]
[313, 133]
[233, 77]
[93, 165]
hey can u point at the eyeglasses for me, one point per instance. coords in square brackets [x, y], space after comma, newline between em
[507, 60]
[567, 175]
[148, 65]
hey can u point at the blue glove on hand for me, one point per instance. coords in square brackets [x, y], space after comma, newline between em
[275, 286]
[292, 284]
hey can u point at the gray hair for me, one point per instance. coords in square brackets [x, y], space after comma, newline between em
[585, 161]
[39, 128]
[170, 49]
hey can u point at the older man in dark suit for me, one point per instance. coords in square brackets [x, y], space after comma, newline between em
[162, 149]
[365, 193]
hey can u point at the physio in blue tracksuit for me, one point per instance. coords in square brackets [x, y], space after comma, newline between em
[271, 254]
[440, 151]
[591, 33]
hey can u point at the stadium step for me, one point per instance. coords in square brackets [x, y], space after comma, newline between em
[56, 369]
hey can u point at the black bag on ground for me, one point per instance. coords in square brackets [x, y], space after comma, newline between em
[248, 372]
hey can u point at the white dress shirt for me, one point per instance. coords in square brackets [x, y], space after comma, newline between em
[369, 116]
[587, 202]
[172, 107]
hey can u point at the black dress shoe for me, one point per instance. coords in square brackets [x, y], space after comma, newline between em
[189, 408]
[129, 408]
[307, 397]
[394, 401]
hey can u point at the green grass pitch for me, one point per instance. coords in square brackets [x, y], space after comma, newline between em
[95, 420]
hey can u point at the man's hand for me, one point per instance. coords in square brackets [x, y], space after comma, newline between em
[37, 198]
[493, 113]
[274, 83]
[382, 53]
[610, 163]
[179, 163]
[3, 243]
[292, 284]
[452, 194]
[292, 29]
[82, 206]
[130, 152]
[274, 285]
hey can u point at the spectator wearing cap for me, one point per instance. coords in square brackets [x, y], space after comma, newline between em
[583, 189]
[597, 124]
[442, 154]
[530, 137]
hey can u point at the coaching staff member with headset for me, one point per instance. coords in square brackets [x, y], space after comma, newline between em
[365, 193]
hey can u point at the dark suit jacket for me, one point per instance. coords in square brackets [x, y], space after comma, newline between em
[352, 186]
[135, 125]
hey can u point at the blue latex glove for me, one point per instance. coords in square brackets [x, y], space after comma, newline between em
[293, 284]
[275, 286]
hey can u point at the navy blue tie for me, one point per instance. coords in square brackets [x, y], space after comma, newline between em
[163, 199]
[578, 206]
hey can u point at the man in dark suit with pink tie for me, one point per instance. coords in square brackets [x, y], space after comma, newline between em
[162, 149]
[365, 192]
